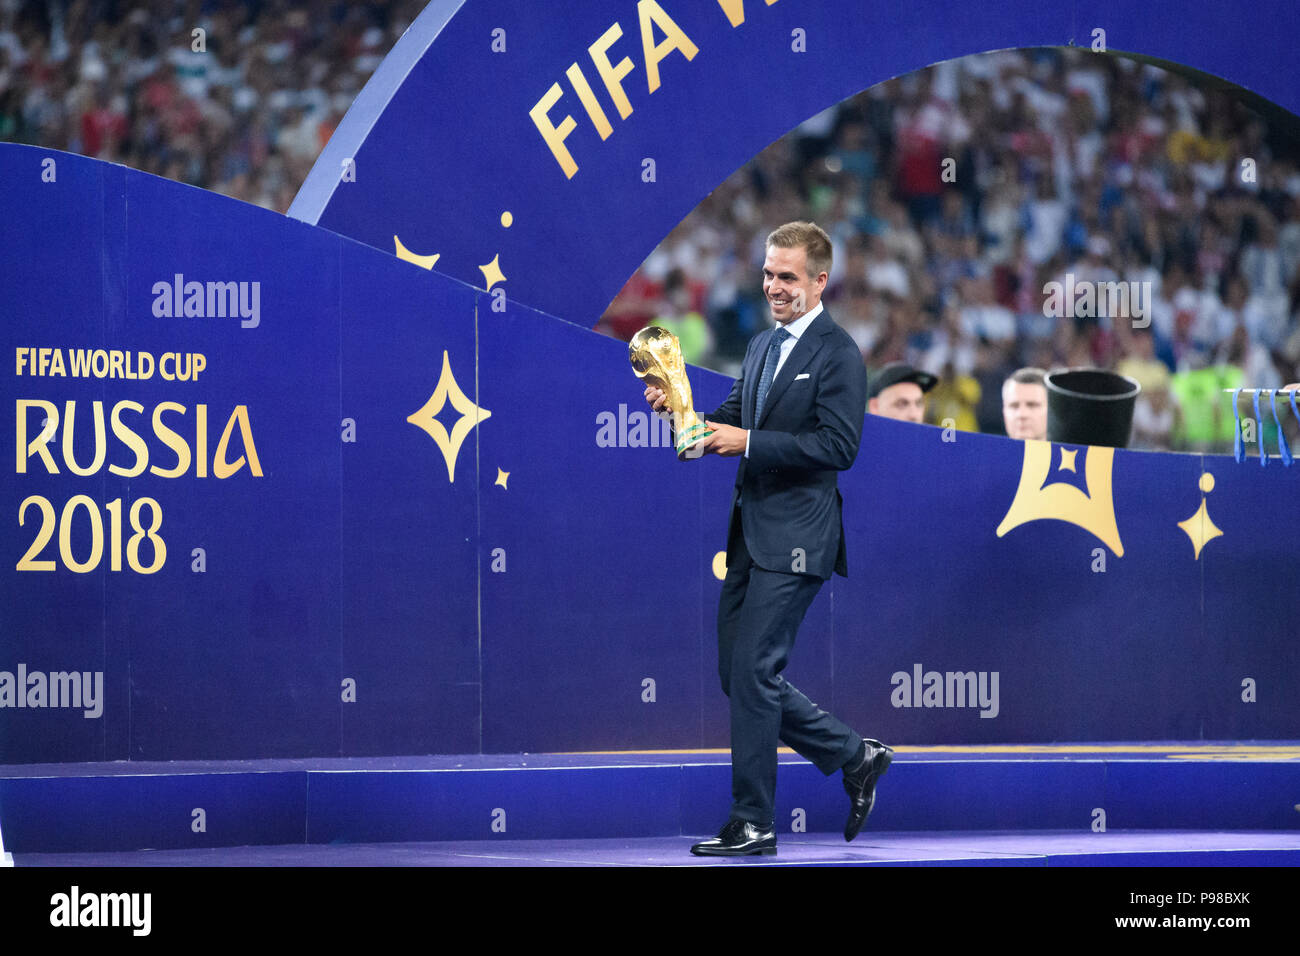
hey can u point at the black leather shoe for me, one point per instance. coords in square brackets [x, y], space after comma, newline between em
[739, 838]
[860, 785]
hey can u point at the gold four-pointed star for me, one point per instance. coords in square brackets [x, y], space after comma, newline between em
[1199, 527]
[470, 415]
[492, 273]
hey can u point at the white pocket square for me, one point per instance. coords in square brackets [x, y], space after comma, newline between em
[801, 375]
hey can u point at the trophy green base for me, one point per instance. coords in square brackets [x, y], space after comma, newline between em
[689, 440]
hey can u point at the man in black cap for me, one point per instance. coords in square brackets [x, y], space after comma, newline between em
[898, 391]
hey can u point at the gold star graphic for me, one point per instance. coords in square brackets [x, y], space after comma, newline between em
[470, 415]
[1199, 527]
[1036, 498]
[501, 478]
[492, 273]
[424, 262]
[1067, 460]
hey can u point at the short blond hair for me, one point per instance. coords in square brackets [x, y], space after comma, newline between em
[1028, 376]
[807, 236]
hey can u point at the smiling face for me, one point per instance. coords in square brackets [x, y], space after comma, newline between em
[790, 290]
[1024, 410]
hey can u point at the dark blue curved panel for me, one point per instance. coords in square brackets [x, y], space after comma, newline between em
[441, 154]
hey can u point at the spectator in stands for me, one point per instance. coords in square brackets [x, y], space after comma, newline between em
[1155, 419]
[1024, 404]
[680, 316]
[898, 391]
[954, 399]
[244, 112]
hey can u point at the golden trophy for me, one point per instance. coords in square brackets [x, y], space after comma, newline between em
[656, 357]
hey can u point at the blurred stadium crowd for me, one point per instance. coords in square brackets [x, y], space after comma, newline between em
[952, 195]
[955, 194]
[243, 108]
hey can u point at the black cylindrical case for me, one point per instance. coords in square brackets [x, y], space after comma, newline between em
[1090, 406]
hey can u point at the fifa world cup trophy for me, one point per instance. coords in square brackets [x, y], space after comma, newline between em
[656, 357]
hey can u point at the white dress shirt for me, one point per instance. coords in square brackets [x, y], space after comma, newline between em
[796, 329]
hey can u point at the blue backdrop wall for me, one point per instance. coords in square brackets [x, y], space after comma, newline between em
[450, 531]
[356, 506]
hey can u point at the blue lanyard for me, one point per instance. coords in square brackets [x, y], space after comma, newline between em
[1259, 433]
[1281, 438]
[1238, 446]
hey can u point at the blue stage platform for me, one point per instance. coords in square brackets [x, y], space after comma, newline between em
[1168, 803]
[966, 848]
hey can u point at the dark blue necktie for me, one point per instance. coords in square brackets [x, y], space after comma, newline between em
[769, 371]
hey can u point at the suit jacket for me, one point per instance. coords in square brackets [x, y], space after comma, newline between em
[786, 494]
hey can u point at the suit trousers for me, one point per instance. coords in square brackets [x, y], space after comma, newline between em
[759, 614]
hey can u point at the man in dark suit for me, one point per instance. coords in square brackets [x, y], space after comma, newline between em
[795, 414]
